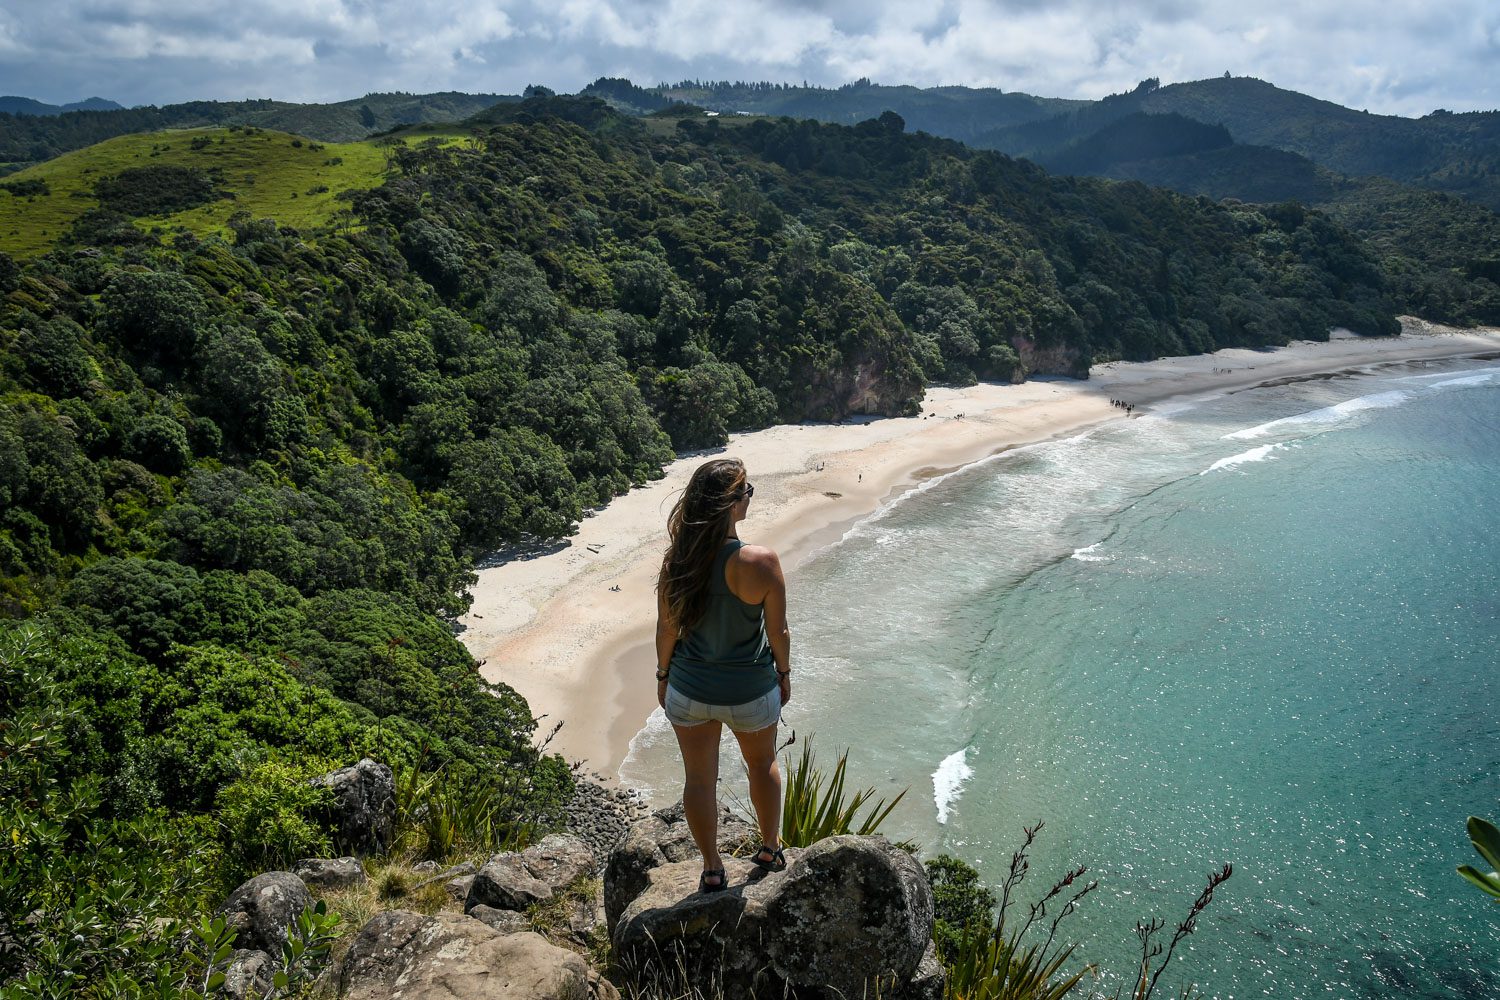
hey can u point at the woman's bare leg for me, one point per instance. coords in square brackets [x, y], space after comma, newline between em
[759, 749]
[700, 761]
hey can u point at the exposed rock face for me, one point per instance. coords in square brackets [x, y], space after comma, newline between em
[262, 908]
[329, 873]
[659, 839]
[1061, 359]
[363, 813]
[248, 975]
[504, 921]
[514, 881]
[407, 955]
[849, 915]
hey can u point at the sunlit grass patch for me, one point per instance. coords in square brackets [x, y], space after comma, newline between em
[269, 174]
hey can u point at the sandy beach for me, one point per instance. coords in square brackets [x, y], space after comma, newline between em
[555, 628]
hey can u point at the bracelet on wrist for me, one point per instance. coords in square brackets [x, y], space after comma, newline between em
[661, 675]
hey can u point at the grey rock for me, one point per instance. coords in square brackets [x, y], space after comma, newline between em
[505, 884]
[425, 866]
[330, 873]
[848, 911]
[662, 838]
[515, 881]
[248, 974]
[262, 908]
[504, 921]
[459, 888]
[458, 870]
[363, 811]
[413, 957]
[848, 916]
[929, 981]
[559, 860]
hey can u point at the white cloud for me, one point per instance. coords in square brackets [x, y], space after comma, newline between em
[1388, 57]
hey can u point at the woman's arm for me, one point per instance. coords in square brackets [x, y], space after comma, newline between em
[666, 641]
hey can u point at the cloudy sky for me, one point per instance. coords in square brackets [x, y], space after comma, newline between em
[1389, 56]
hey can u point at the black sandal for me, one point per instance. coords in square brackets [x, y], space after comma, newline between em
[777, 861]
[717, 873]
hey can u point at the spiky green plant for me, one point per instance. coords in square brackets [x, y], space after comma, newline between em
[1486, 840]
[817, 804]
[439, 817]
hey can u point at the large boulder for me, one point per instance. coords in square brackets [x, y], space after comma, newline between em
[514, 881]
[363, 810]
[261, 910]
[659, 839]
[330, 873]
[849, 916]
[441, 957]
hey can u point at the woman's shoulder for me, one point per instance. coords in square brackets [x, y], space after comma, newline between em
[759, 557]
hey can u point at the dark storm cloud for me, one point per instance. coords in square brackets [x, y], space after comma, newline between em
[1390, 57]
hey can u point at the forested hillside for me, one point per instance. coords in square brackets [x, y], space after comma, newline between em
[244, 477]
[1455, 153]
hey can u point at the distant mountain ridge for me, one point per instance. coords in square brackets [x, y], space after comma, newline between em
[13, 105]
[961, 113]
[1456, 153]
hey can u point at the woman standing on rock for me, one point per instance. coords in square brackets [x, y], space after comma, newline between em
[723, 656]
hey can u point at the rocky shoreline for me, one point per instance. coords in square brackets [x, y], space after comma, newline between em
[601, 814]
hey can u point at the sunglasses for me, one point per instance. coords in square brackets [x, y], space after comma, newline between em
[748, 492]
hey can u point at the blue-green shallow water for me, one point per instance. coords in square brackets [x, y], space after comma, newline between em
[1263, 629]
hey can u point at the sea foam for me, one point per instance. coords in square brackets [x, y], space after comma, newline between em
[1253, 455]
[948, 781]
[1335, 414]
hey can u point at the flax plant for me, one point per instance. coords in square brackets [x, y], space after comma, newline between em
[818, 804]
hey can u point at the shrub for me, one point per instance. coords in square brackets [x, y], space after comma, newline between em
[961, 903]
[269, 816]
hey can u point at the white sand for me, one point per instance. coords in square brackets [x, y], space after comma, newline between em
[552, 628]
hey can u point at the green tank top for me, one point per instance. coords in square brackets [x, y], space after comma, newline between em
[726, 658]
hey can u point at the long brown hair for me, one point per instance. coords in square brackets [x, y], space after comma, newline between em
[697, 527]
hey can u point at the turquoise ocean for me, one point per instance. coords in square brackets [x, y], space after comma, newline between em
[1261, 628]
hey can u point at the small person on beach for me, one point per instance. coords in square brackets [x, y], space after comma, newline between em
[723, 657]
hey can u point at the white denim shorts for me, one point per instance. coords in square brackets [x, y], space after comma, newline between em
[747, 718]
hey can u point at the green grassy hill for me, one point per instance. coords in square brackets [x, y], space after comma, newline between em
[27, 139]
[267, 173]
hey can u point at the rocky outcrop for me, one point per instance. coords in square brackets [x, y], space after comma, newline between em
[261, 910]
[1056, 359]
[330, 873]
[659, 839]
[363, 808]
[514, 881]
[848, 916]
[248, 974]
[415, 957]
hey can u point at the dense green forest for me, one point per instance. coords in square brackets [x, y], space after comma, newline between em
[244, 480]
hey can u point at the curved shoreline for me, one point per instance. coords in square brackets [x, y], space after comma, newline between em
[551, 627]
